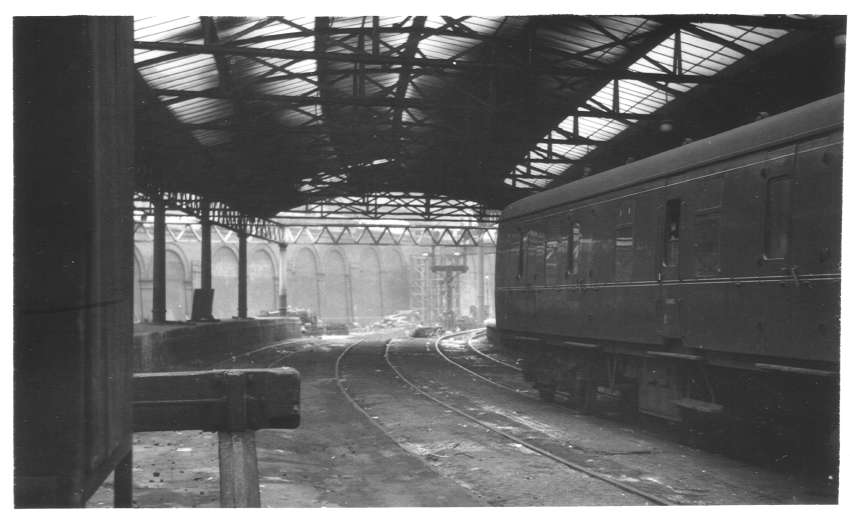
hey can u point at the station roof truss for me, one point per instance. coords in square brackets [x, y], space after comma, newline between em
[423, 118]
[184, 211]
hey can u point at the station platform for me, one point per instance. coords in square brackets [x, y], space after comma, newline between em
[200, 345]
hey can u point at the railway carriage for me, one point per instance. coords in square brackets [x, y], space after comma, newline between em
[704, 279]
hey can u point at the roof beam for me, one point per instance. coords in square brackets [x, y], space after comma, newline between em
[648, 41]
[405, 76]
[759, 21]
[717, 39]
[219, 214]
[355, 101]
[448, 64]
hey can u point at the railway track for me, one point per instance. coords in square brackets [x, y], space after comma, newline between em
[508, 448]
[515, 433]
[526, 434]
[492, 370]
[267, 356]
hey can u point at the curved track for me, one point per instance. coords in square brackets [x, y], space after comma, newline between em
[500, 448]
[498, 367]
[657, 500]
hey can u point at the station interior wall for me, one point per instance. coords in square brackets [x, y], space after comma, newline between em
[353, 284]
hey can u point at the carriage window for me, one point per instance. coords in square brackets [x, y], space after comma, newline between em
[624, 242]
[706, 234]
[778, 217]
[510, 250]
[710, 194]
[551, 259]
[707, 244]
[535, 246]
[623, 253]
[574, 249]
[672, 227]
[523, 248]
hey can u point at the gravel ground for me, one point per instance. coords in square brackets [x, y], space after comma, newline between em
[407, 452]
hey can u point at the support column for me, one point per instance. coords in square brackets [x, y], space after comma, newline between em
[123, 482]
[239, 477]
[206, 247]
[450, 313]
[158, 260]
[203, 297]
[242, 309]
[481, 285]
[281, 290]
[73, 256]
[381, 311]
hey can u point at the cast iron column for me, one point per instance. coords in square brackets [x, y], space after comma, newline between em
[481, 315]
[242, 310]
[202, 303]
[206, 247]
[158, 259]
[281, 260]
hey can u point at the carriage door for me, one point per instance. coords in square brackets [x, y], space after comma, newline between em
[668, 304]
[777, 176]
[778, 269]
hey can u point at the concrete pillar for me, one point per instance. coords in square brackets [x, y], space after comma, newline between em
[242, 308]
[158, 260]
[73, 256]
[281, 260]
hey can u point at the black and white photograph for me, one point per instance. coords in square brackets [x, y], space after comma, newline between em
[550, 259]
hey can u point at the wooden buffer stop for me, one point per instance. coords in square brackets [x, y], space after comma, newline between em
[234, 403]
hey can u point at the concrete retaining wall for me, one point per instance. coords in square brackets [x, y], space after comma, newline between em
[201, 346]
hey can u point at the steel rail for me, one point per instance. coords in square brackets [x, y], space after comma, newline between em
[338, 379]
[440, 352]
[480, 353]
[564, 396]
[566, 462]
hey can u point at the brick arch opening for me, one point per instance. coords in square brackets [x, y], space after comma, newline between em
[302, 288]
[261, 286]
[176, 307]
[368, 303]
[395, 286]
[335, 307]
[225, 282]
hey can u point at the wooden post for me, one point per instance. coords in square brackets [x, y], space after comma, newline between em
[234, 403]
[239, 478]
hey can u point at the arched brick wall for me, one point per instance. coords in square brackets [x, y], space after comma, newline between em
[335, 307]
[225, 271]
[302, 284]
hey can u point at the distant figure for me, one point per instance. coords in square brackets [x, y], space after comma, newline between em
[587, 171]
[687, 140]
[761, 116]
